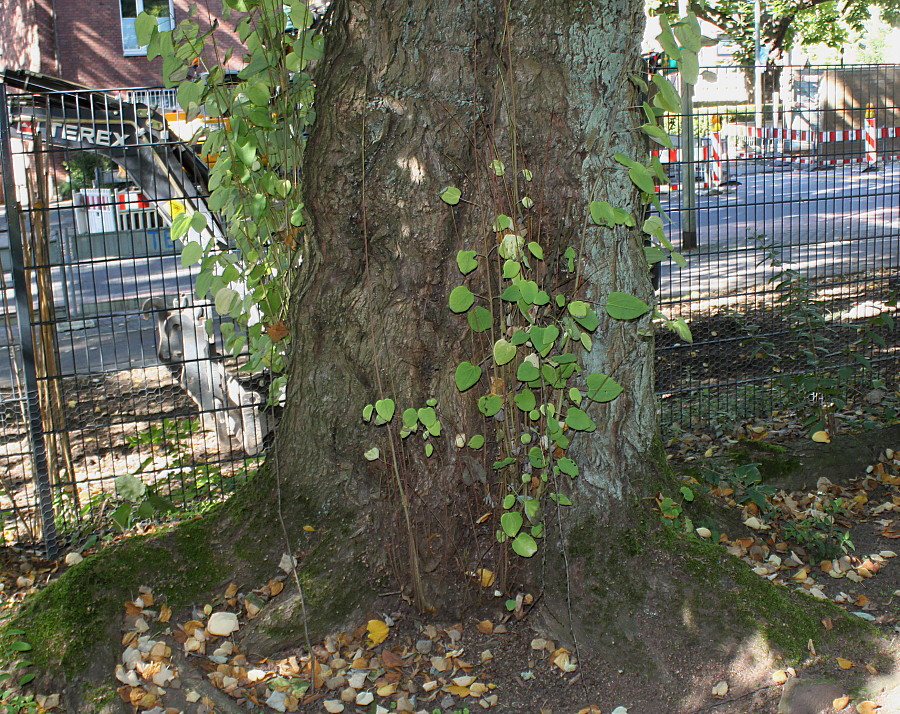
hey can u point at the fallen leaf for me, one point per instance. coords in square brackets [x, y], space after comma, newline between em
[309, 529]
[871, 670]
[485, 577]
[844, 663]
[485, 627]
[721, 689]
[165, 613]
[840, 703]
[867, 707]
[779, 677]
[821, 437]
[391, 660]
[276, 330]
[378, 631]
[231, 590]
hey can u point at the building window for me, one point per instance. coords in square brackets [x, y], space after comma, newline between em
[130, 9]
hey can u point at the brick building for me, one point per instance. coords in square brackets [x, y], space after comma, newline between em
[93, 43]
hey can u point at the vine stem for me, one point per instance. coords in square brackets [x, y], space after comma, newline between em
[418, 586]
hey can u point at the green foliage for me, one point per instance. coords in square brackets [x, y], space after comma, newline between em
[81, 166]
[16, 672]
[254, 142]
[785, 22]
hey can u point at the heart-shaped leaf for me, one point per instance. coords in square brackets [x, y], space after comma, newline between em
[622, 306]
[511, 523]
[385, 409]
[466, 261]
[451, 195]
[524, 545]
[479, 319]
[602, 388]
[579, 420]
[503, 352]
[490, 404]
[467, 375]
[461, 298]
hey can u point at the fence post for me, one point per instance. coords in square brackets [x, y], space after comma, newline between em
[870, 138]
[26, 339]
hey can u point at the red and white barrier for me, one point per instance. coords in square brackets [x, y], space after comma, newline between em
[870, 138]
[716, 174]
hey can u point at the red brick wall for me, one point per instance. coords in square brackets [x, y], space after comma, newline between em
[24, 38]
[90, 44]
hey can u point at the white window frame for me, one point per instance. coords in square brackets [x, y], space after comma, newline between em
[165, 23]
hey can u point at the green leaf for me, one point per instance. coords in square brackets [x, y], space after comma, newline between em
[578, 308]
[623, 306]
[429, 449]
[680, 328]
[301, 16]
[511, 268]
[461, 299]
[525, 400]
[410, 418]
[519, 337]
[479, 319]
[667, 97]
[511, 523]
[532, 508]
[427, 416]
[367, 412]
[543, 338]
[536, 250]
[371, 454]
[536, 457]
[467, 376]
[601, 213]
[476, 442]
[658, 135]
[529, 291]
[579, 420]
[690, 67]
[144, 25]
[122, 516]
[511, 294]
[130, 487]
[687, 493]
[642, 178]
[509, 500]
[526, 174]
[180, 225]
[602, 388]
[466, 261]
[490, 404]
[191, 253]
[19, 646]
[451, 195]
[225, 300]
[561, 498]
[524, 545]
[527, 202]
[385, 409]
[567, 466]
[498, 167]
[527, 372]
[501, 223]
[503, 352]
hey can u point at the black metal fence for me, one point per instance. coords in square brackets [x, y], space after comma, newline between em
[107, 418]
[796, 216]
[116, 404]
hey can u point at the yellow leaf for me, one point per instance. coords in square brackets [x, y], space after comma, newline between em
[779, 677]
[840, 703]
[844, 663]
[485, 577]
[485, 627]
[457, 690]
[866, 707]
[821, 437]
[387, 690]
[309, 529]
[378, 632]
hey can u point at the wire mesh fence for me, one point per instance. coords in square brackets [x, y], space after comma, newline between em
[796, 215]
[107, 369]
[107, 374]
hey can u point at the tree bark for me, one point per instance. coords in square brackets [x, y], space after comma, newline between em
[416, 96]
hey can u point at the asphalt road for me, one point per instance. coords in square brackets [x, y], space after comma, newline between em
[827, 222]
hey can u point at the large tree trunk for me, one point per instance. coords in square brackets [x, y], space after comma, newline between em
[416, 96]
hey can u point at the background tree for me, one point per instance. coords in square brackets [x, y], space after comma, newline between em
[785, 22]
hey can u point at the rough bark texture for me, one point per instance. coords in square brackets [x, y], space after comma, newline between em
[416, 96]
